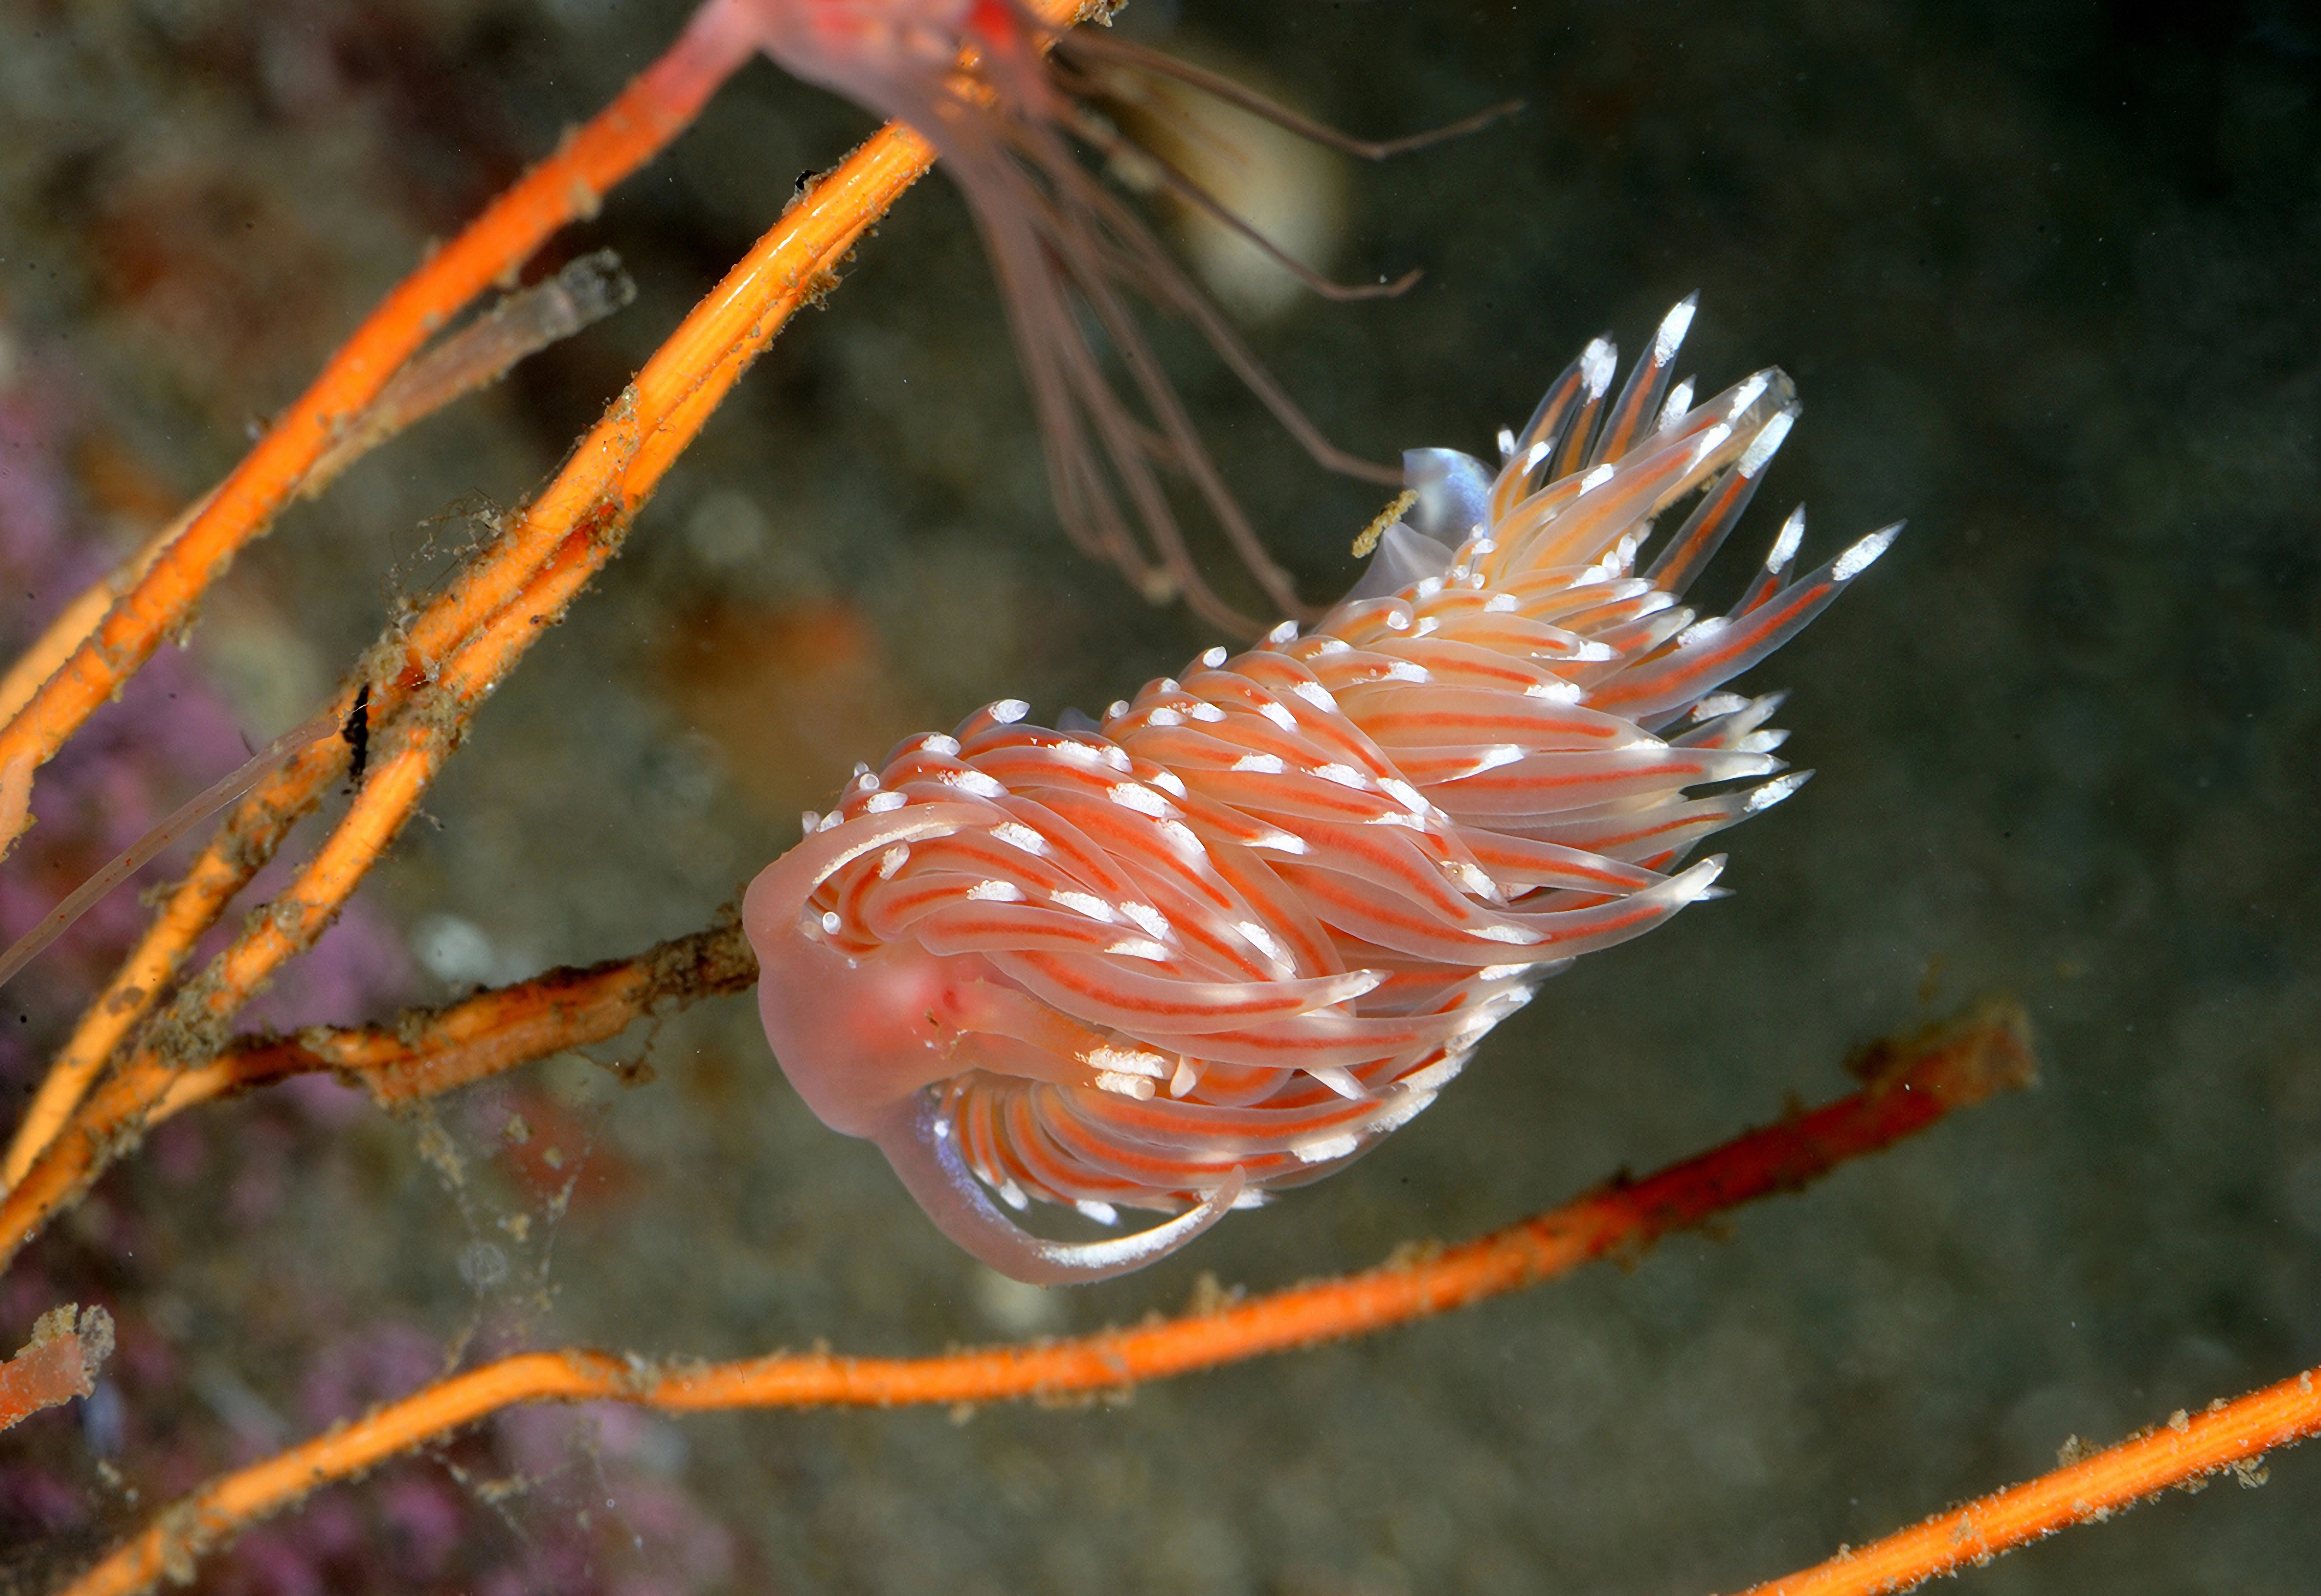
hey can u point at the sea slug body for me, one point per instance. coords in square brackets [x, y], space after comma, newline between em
[1226, 940]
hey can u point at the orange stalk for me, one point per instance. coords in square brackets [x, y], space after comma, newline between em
[578, 524]
[245, 840]
[650, 111]
[73, 624]
[480, 353]
[501, 603]
[16, 799]
[400, 774]
[163, 581]
[426, 1053]
[1917, 1083]
[59, 1363]
[617, 464]
[422, 1053]
[500, 606]
[2187, 1449]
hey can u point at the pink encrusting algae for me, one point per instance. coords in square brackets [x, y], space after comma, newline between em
[1258, 917]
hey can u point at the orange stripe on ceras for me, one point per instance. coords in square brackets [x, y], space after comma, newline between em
[1707, 659]
[1077, 977]
[1148, 1168]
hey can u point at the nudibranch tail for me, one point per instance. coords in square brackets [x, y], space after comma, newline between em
[1225, 940]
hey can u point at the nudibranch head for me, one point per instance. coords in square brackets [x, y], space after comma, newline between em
[1226, 940]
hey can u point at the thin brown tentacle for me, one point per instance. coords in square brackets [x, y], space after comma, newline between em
[1217, 87]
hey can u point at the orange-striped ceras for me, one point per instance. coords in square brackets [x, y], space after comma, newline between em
[1258, 917]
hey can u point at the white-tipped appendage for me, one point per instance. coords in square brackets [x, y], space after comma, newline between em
[1679, 406]
[1326, 1149]
[1597, 364]
[1767, 795]
[1020, 837]
[1145, 917]
[1864, 554]
[1762, 446]
[1785, 542]
[1673, 327]
[1692, 885]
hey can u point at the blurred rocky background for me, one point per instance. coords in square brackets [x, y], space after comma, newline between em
[2043, 273]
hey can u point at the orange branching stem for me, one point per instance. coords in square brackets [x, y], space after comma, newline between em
[140, 853]
[422, 1052]
[427, 679]
[1914, 1084]
[609, 476]
[59, 1363]
[612, 473]
[568, 185]
[430, 1052]
[481, 352]
[16, 799]
[75, 672]
[2183, 1452]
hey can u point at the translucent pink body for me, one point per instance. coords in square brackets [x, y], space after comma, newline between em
[1255, 920]
[977, 79]
[892, 56]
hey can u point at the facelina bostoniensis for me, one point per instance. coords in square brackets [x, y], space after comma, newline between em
[1228, 938]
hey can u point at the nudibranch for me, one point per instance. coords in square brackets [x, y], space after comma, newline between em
[1227, 939]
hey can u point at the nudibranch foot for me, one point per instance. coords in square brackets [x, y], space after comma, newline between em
[919, 1141]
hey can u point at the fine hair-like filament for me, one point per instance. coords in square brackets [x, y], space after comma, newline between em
[1002, 95]
[1262, 913]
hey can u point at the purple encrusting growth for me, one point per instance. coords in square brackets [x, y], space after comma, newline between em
[170, 733]
[417, 1525]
